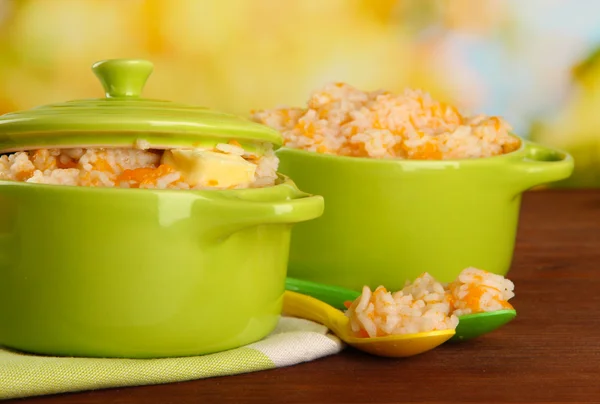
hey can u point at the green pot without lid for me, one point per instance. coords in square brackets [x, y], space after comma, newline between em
[391, 220]
[135, 273]
[123, 119]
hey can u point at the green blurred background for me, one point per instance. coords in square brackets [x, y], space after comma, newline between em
[532, 61]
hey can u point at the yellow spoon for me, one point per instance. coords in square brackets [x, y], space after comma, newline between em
[395, 346]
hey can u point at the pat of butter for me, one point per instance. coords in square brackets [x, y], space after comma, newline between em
[209, 168]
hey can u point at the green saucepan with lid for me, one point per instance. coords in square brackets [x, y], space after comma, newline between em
[388, 221]
[140, 273]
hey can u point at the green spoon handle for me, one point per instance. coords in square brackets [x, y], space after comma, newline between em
[332, 295]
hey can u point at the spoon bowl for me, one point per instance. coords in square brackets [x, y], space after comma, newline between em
[469, 325]
[393, 346]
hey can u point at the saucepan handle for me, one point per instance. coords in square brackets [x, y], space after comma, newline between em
[541, 165]
[239, 214]
[288, 212]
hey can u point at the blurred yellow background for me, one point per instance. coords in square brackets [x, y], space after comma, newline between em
[532, 61]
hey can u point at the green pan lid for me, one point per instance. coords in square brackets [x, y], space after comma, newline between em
[124, 119]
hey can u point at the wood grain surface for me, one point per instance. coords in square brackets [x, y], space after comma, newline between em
[549, 353]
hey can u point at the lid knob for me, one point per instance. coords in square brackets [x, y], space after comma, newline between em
[123, 77]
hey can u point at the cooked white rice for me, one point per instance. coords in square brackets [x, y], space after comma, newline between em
[477, 291]
[427, 305]
[342, 120]
[124, 168]
[421, 306]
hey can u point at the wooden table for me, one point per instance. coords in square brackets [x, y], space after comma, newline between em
[550, 353]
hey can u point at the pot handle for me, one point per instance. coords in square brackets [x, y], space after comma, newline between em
[289, 212]
[243, 213]
[541, 165]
